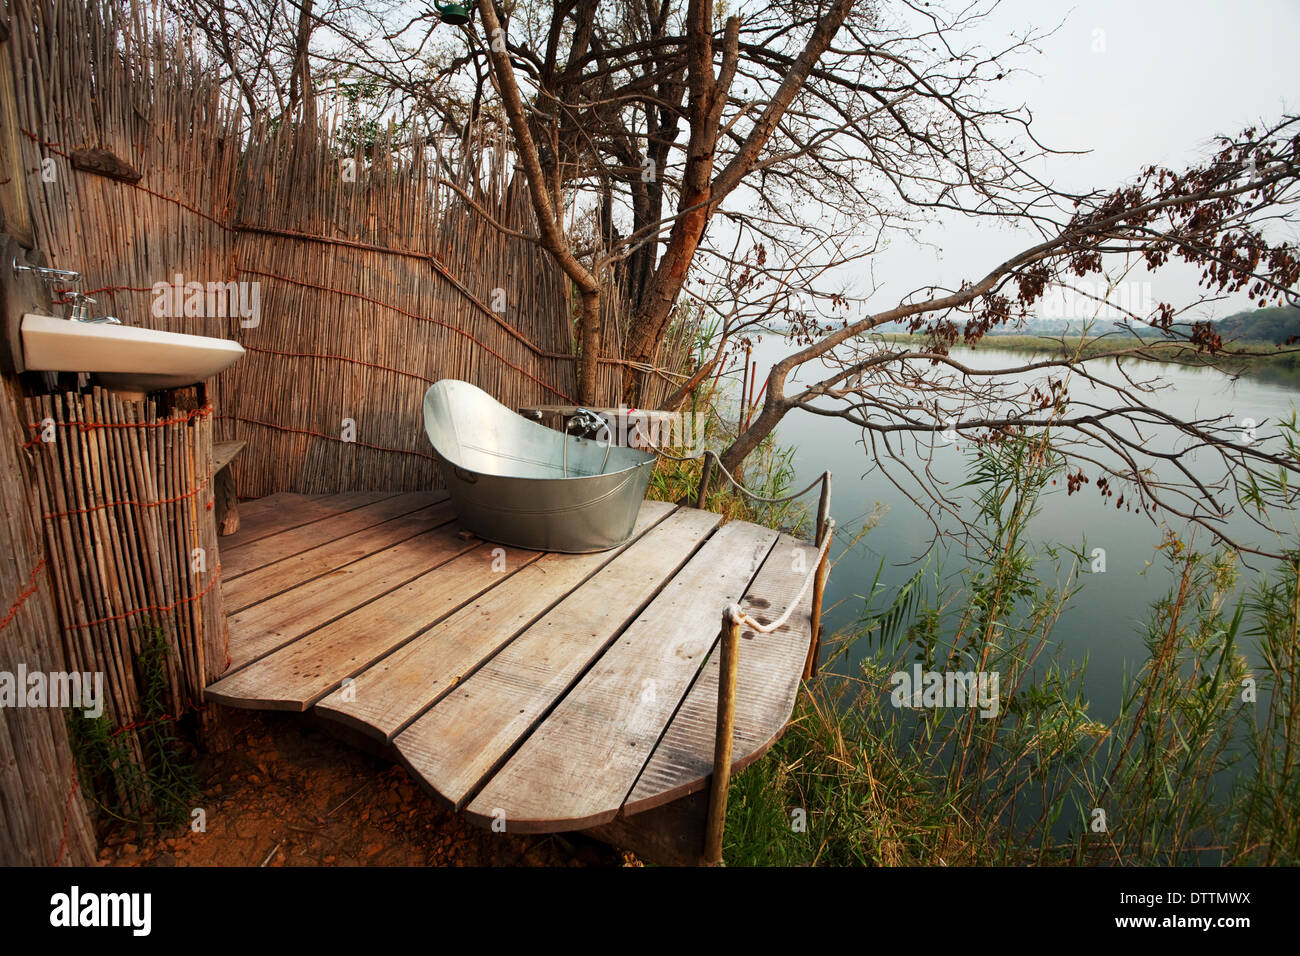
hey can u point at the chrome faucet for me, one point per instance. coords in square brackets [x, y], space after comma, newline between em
[81, 312]
[587, 422]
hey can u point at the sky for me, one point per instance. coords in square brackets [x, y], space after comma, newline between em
[1134, 82]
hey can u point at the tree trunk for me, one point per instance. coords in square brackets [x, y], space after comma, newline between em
[701, 192]
[734, 457]
[589, 362]
[656, 308]
[300, 87]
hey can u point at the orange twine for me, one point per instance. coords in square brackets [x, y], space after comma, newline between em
[339, 358]
[304, 431]
[216, 576]
[13, 610]
[54, 147]
[412, 315]
[130, 501]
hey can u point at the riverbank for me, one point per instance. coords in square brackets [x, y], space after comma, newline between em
[1262, 361]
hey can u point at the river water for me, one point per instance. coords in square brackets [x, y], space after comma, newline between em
[1104, 622]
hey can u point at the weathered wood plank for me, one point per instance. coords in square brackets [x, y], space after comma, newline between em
[224, 452]
[579, 765]
[298, 675]
[259, 509]
[243, 559]
[248, 589]
[273, 623]
[266, 582]
[458, 742]
[388, 695]
[225, 499]
[279, 512]
[767, 683]
[225, 503]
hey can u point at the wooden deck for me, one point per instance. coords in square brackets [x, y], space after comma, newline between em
[547, 691]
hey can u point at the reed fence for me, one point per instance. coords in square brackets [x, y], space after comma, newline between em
[373, 276]
[43, 818]
[126, 500]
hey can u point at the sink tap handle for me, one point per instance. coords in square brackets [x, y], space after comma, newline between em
[80, 305]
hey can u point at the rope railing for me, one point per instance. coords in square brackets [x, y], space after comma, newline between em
[824, 529]
[738, 614]
[733, 618]
[711, 461]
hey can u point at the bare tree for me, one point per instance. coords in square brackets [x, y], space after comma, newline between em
[668, 152]
[637, 125]
[1228, 216]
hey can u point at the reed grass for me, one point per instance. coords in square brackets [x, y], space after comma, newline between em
[1191, 769]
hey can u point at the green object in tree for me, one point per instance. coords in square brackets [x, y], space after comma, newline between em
[453, 13]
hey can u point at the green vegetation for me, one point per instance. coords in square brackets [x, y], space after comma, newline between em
[768, 472]
[858, 780]
[142, 774]
[1270, 326]
[1261, 361]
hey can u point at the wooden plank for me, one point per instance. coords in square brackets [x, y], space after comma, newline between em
[398, 688]
[458, 742]
[248, 589]
[264, 627]
[225, 503]
[279, 512]
[257, 509]
[223, 452]
[767, 682]
[298, 675]
[254, 555]
[578, 767]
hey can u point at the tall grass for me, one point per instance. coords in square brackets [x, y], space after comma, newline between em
[858, 779]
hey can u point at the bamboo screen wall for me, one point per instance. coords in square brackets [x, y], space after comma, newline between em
[373, 279]
[43, 819]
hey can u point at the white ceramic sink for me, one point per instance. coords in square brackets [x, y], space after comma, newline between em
[123, 356]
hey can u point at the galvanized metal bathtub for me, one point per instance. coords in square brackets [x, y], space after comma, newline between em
[517, 482]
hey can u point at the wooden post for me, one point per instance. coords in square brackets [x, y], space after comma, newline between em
[824, 509]
[705, 477]
[717, 819]
[819, 582]
[815, 641]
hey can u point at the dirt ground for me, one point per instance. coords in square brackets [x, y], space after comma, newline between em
[287, 793]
